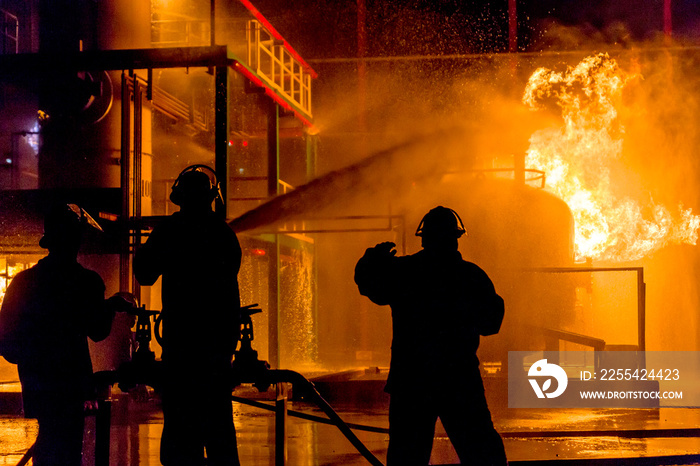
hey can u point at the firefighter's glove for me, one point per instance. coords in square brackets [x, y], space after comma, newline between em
[383, 250]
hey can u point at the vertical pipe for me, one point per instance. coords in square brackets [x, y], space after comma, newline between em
[221, 165]
[519, 168]
[362, 74]
[668, 22]
[641, 309]
[641, 317]
[273, 148]
[281, 425]
[14, 158]
[518, 158]
[212, 13]
[311, 162]
[274, 261]
[512, 26]
[149, 84]
[138, 139]
[124, 258]
[273, 302]
[513, 49]
[311, 156]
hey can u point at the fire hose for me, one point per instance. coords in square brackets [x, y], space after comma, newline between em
[301, 383]
[309, 417]
[27, 456]
[248, 368]
[143, 369]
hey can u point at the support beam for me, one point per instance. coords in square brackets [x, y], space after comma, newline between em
[281, 424]
[124, 256]
[311, 156]
[273, 175]
[512, 26]
[30, 64]
[212, 18]
[273, 149]
[641, 317]
[668, 22]
[221, 165]
[136, 174]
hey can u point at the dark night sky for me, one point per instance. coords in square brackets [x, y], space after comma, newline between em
[328, 29]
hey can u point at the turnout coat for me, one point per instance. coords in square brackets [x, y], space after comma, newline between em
[441, 305]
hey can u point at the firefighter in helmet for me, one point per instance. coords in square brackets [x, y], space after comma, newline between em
[198, 256]
[441, 305]
[47, 315]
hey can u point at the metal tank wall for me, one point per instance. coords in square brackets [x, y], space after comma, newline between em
[512, 229]
[81, 125]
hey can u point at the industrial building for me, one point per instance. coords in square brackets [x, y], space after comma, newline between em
[105, 103]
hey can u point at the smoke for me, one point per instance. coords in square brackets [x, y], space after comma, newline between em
[659, 115]
[392, 169]
[412, 139]
[430, 126]
[423, 120]
[660, 146]
[657, 163]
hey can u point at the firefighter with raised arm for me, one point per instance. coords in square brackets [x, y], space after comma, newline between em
[47, 315]
[441, 305]
[198, 256]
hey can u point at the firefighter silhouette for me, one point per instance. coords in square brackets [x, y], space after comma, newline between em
[440, 306]
[47, 315]
[198, 256]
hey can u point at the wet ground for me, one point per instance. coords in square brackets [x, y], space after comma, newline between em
[531, 436]
[589, 436]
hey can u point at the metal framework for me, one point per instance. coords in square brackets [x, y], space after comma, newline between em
[277, 66]
[641, 305]
[9, 33]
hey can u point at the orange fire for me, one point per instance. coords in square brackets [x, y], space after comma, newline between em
[8, 275]
[580, 156]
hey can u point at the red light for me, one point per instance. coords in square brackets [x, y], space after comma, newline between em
[258, 252]
[244, 143]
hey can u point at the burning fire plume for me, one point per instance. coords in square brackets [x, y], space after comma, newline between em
[580, 156]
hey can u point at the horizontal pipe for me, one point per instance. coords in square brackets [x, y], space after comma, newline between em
[582, 269]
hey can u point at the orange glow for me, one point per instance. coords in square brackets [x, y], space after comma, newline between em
[580, 156]
[8, 275]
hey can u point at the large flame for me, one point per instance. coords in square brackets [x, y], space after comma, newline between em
[579, 156]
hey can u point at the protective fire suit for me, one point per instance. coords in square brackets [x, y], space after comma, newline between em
[48, 312]
[198, 256]
[440, 304]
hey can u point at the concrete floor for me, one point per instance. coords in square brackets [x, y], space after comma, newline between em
[531, 436]
[136, 429]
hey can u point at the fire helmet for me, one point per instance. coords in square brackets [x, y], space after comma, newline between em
[193, 186]
[66, 223]
[441, 221]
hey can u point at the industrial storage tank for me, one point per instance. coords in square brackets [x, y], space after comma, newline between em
[513, 229]
[328, 330]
